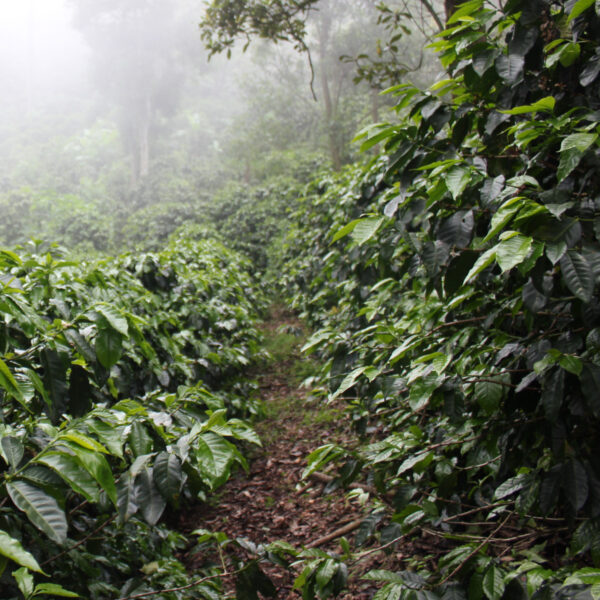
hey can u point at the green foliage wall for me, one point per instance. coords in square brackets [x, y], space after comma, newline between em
[119, 398]
[454, 282]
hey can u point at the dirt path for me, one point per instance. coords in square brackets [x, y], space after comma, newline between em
[271, 502]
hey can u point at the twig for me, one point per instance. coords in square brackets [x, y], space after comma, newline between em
[480, 465]
[324, 478]
[80, 542]
[335, 534]
[475, 538]
[383, 547]
[182, 587]
[461, 322]
[474, 510]
[475, 551]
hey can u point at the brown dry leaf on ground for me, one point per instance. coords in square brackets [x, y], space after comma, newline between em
[272, 502]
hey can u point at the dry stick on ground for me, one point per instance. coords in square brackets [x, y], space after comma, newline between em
[336, 534]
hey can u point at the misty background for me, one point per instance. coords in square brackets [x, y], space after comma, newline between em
[115, 128]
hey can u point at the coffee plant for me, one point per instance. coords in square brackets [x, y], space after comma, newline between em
[453, 284]
[121, 400]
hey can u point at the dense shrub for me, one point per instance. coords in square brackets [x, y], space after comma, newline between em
[454, 284]
[120, 397]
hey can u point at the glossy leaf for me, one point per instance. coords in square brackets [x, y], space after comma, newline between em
[41, 509]
[73, 473]
[150, 501]
[577, 274]
[13, 449]
[13, 549]
[109, 346]
[167, 475]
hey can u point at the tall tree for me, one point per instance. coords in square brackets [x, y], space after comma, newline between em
[137, 54]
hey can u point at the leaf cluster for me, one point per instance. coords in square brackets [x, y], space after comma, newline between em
[453, 281]
[120, 393]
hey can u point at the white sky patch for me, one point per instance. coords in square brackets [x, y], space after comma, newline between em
[39, 49]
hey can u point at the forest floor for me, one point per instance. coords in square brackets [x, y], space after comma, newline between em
[272, 502]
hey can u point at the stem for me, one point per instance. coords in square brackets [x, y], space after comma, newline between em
[182, 587]
[82, 541]
[475, 551]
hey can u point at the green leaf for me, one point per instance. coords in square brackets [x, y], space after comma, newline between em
[344, 231]
[555, 252]
[115, 318]
[572, 150]
[511, 486]
[72, 472]
[24, 581]
[575, 483]
[493, 583]
[13, 549]
[488, 395]
[80, 344]
[13, 450]
[83, 440]
[348, 382]
[503, 215]
[577, 275]
[513, 251]
[510, 67]
[167, 475]
[97, 466]
[41, 509]
[590, 384]
[553, 394]
[484, 261]
[421, 391]
[572, 364]
[465, 9]
[109, 346]
[365, 229]
[457, 229]
[53, 589]
[151, 502]
[457, 179]
[109, 435]
[579, 7]
[533, 299]
[586, 536]
[139, 439]
[545, 104]
[126, 504]
[216, 456]
[418, 463]
[8, 382]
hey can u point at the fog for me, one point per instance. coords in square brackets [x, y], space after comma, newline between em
[112, 118]
[41, 55]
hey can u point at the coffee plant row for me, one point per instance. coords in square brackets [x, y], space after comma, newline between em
[121, 399]
[453, 283]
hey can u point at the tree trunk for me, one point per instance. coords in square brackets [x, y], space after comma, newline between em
[450, 7]
[330, 116]
[144, 147]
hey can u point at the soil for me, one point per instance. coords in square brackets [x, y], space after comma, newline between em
[272, 502]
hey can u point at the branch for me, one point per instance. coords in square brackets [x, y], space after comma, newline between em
[461, 322]
[432, 12]
[182, 587]
[383, 547]
[475, 551]
[80, 542]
